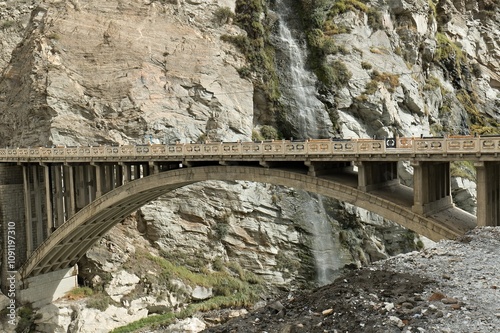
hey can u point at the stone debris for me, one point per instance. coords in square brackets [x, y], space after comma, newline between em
[201, 293]
[408, 293]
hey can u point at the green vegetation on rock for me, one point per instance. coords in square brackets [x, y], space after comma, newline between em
[390, 81]
[256, 48]
[232, 286]
[463, 169]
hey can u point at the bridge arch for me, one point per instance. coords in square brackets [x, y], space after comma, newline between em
[73, 239]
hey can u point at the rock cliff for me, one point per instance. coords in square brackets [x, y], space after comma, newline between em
[137, 71]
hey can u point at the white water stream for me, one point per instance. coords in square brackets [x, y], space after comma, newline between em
[325, 251]
[312, 120]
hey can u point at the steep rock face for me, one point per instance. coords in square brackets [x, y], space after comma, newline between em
[431, 69]
[96, 73]
[414, 92]
[14, 18]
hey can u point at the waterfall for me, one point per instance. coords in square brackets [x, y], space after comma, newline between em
[304, 110]
[325, 251]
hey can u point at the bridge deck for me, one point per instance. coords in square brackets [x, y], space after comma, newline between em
[453, 218]
[81, 192]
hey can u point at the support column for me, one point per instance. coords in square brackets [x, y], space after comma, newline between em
[146, 171]
[38, 192]
[118, 175]
[27, 210]
[91, 182]
[109, 178]
[47, 171]
[99, 178]
[58, 196]
[488, 193]
[81, 191]
[136, 171]
[375, 175]
[420, 190]
[127, 172]
[431, 187]
[69, 190]
[154, 168]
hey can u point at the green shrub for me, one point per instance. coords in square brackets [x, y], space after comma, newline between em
[375, 19]
[27, 319]
[80, 292]
[269, 133]
[99, 302]
[447, 50]
[433, 83]
[223, 15]
[221, 230]
[391, 81]
[6, 24]
[256, 136]
[366, 65]
[371, 87]
[54, 36]
[335, 74]
[373, 15]
[218, 264]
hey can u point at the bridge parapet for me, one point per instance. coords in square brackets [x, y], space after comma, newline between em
[359, 148]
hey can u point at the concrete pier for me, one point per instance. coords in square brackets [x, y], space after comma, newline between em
[431, 187]
[375, 175]
[488, 193]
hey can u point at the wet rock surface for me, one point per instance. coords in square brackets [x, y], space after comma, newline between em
[451, 287]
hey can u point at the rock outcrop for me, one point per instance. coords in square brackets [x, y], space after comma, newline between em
[124, 73]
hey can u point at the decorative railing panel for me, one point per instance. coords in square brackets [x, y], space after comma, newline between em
[359, 147]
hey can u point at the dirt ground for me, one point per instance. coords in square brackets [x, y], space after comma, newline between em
[452, 287]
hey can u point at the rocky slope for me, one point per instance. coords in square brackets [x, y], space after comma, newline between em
[450, 287]
[94, 72]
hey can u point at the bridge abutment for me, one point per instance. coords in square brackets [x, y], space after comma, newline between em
[42, 289]
[488, 193]
[431, 187]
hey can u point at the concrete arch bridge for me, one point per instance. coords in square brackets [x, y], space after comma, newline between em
[60, 200]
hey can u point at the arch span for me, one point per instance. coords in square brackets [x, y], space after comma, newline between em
[71, 241]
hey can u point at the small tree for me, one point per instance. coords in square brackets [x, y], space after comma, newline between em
[223, 15]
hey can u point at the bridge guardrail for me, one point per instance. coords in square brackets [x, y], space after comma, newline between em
[320, 147]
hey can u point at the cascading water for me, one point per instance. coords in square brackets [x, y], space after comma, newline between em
[310, 119]
[305, 112]
[325, 251]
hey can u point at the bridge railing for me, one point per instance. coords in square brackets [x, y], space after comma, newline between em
[322, 147]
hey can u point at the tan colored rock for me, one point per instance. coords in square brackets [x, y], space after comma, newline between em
[327, 312]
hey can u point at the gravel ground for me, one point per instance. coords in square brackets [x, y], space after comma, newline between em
[452, 287]
[466, 270]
